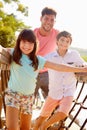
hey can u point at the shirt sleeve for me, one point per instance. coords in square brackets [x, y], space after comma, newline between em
[42, 62]
[48, 57]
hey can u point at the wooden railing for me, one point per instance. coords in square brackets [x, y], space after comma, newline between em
[5, 58]
[5, 72]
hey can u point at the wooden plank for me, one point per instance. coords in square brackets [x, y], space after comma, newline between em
[5, 57]
[5, 67]
[4, 53]
[81, 76]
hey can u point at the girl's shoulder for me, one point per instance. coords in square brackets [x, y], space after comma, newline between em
[40, 57]
[41, 61]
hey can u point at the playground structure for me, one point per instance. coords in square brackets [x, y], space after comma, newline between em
[79, 103]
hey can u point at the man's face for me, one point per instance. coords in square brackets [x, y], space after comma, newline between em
[47, 22]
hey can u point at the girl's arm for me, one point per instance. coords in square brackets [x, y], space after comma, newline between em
[64, 67]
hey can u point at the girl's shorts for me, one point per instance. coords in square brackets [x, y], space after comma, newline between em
[19, 101]
[62, 105]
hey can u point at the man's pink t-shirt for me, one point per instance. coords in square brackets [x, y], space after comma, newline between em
[47, 44]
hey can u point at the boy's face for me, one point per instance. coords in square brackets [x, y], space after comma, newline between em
[63, 43]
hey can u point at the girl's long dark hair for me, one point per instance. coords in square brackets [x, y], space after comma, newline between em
[28, 35]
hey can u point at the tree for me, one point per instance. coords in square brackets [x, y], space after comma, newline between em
[10, 22]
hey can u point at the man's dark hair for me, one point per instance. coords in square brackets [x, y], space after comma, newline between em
[48, 11]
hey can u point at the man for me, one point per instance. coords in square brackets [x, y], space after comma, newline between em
[46, 36]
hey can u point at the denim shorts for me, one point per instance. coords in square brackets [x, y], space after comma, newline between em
[22, 102]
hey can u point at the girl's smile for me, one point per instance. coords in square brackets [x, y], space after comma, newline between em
[26, 47]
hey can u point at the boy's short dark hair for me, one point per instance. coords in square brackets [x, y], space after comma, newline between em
[48, 11]
[64, 34]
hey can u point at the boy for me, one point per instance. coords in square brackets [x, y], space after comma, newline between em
[62, 85]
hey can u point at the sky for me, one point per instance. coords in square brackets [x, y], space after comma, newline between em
[71, 16]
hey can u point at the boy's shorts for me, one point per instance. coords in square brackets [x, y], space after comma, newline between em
[19, 101]
[62, 105]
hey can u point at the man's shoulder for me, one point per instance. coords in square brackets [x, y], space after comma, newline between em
[36, 29]
[55, 31]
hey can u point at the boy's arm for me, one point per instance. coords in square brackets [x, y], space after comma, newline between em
[64, 67]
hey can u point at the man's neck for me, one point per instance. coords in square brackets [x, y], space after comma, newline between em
[43, 32]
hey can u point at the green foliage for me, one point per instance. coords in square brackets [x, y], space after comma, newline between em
[9, 1]
[23, 9]
[7, 38]
[2, 14]
[85, 58]
[20, 7]
[1, 4]
[10, 24]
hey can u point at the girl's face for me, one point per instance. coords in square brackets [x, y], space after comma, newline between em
[63, 43]
[26, 47]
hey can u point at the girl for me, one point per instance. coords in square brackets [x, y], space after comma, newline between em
[24, 69]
